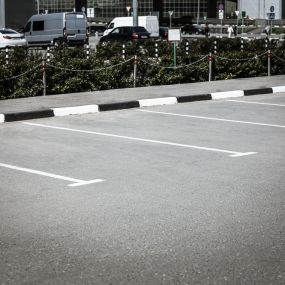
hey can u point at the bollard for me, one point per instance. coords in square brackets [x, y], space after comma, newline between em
[135, 70]
[7, 56]
[269, 62]
[187, 48]
[44, 76]
[123, 52]
[210, 59]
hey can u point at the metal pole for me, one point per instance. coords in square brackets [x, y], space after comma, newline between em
[210, 66]
[198, 12]
[135, 71]
[269, 62]
[135, 12]
[44, 76]
[174, 54]
[38, 6]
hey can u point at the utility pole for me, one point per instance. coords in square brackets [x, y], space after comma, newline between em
[135, 12]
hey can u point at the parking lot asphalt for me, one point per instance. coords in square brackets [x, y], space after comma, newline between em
[176, 194]
[88, 102]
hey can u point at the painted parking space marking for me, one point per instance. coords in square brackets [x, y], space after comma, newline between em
[257, 103]
[229, 152]
[212, 119]
[75, 182]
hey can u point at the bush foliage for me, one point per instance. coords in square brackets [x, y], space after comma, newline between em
[70, 71]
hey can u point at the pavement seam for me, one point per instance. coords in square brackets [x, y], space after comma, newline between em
[84, 109]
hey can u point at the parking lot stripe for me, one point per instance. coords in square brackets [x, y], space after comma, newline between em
[231, 153]
[76, 182]
[258, 103]
[213, 119]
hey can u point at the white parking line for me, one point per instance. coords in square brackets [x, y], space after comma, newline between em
[231, 153]
[76, 182]
[213, 119]
[258, 103]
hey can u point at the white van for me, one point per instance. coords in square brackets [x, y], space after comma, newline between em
[150, 23]
[57, 28]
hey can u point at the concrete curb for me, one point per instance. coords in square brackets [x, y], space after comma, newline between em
[66, 111]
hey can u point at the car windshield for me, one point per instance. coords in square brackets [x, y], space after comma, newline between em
[5, 32]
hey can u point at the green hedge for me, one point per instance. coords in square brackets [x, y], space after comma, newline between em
[69, 70]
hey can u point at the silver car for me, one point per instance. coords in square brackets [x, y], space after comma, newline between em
[9, 37]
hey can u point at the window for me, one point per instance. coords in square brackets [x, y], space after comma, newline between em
[28, 27]
[38, 25]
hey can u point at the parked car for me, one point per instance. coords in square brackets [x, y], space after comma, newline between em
[57, 28]
[9, 37]
[150, 23]
[191, 29]
[126, 34]
[163, 32]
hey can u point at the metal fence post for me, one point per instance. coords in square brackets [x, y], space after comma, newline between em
[210, 59]
[7, 56]
[135, 71]
[187, 48]
[48, 54]
[269, 62]
[123, 52]
[87, 51]
[44, 76]
[156, 51]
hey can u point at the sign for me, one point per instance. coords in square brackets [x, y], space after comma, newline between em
[174, 35]
[221, 14]
[271, 16]
[90, 13]
[271, 9]
[237, 13]
[221, 6]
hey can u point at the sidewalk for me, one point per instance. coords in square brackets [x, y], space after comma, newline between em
[87, 102]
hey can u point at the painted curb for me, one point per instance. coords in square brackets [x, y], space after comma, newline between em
[21, 116]
[85, 109]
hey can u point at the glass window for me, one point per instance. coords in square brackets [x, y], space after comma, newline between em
[38, 25]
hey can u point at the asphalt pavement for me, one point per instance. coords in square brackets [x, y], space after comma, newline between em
[187, 193]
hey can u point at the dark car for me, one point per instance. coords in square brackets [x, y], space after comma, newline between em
[126, 34]
[163, 32]
[190, 29]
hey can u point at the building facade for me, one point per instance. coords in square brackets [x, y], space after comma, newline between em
[260, 9]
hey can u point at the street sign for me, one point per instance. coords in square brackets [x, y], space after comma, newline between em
[271, 16]
[90, 12]
[272, 9]
[221, 6]
[237, 13]
[221, 14]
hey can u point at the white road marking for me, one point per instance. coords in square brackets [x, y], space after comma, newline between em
[2, 118]
[76, 182]
[258, 103]
[231, 153]
[213, 119]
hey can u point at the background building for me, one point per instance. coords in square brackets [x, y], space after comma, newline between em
[14, 13]
[259, 9]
